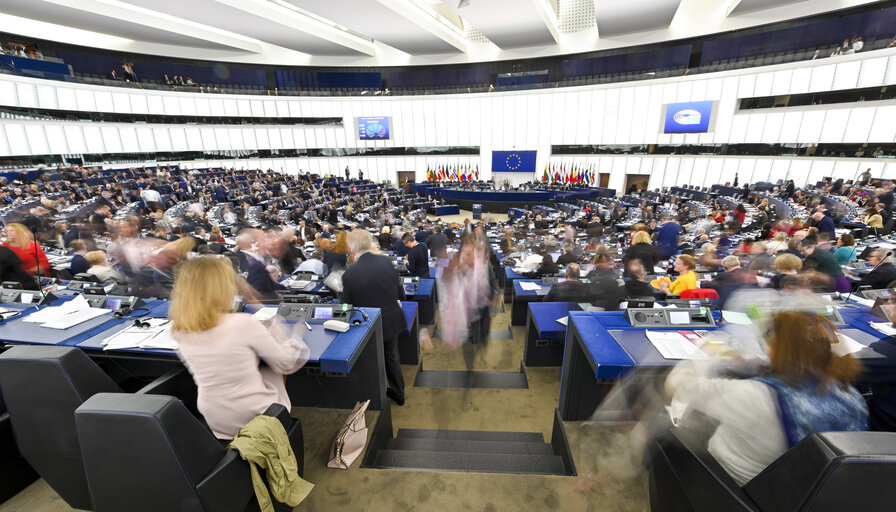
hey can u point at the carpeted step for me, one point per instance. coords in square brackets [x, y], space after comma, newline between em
[469, 435]
[466, 445]
[470, 462]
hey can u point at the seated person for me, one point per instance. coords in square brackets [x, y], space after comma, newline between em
[314, 264]
[98, 268]
[637, 287]
[222, 350]
[846, 249]
[806, 389]
[568, 255]
[11, 270]
[604, 282]
[686, 280]
[883, 275]
[571, 290]
[731, 279]
[547, 268]
[821, 259]
[786, 264]
[78, 264]
[873, 218]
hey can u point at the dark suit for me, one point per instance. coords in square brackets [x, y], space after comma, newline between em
[570, 291]
[373, 282]
[879, 278]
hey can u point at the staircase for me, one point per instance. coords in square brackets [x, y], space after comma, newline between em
[477, 451]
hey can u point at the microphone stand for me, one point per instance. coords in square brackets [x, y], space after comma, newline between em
[40, 288]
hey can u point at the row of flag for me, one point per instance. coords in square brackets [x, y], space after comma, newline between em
[452, 172]
[570, 173]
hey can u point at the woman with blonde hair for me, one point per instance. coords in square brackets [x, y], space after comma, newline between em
[642, 250]
[20, 240]
[336, 255]
[103, 272]
[222, 350]
[806, 389]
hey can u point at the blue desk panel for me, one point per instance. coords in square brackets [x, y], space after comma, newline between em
[341, 354]
[520, 292]
[445, 210]
[545, 315]
[409, 308]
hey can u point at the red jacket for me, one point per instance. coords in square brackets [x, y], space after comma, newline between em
[26, 254]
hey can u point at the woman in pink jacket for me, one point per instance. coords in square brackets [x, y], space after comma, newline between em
[238, 364]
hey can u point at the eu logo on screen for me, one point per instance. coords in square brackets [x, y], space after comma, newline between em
[690, 117]
[373, 128]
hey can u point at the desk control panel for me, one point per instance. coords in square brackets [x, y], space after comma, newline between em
[296, 312]
[884, 293]
[689, 303]
[694, 317]
[9, 296]
[122, 303]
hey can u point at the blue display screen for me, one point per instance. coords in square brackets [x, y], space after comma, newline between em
[373, 128]
[690, 117]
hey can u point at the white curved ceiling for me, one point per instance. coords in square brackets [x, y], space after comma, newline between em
[386, 32]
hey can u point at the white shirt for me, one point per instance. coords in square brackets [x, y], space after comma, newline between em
[151, 196]
[750, 435]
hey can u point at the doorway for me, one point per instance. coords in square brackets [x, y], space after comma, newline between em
[636, 181]
[604, 180]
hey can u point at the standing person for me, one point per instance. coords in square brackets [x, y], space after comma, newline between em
[372, 282]
[360, 174]
[347, 174]
[467, 289]
[222, 350]
[418, 256]
[667, 239]
[21, 241]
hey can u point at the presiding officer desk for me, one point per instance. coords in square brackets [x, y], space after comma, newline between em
[602, 347]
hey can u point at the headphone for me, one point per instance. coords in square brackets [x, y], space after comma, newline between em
[126, 312]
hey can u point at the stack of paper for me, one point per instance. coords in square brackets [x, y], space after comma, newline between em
[884, 327]
[157, 335]
[674, 345]
[530, 286]
[69, 314]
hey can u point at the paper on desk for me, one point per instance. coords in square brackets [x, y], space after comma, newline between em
[673, 345]
[157, 335]
[848, 345]
[530, 286]
[520, 270]
[265, 314]
[884, 327]
[73, 318]
[865, 302]
[736, 317]
[51, 313]
[564, 320]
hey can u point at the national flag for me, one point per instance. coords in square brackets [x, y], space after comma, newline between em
[545, 177]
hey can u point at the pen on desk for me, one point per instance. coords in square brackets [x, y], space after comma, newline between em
[308, 325]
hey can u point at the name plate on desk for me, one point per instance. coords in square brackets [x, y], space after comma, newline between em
[695, 317]
[688, 303]
[878, 294]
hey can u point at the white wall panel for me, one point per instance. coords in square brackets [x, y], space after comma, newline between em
[781, 82]
[104, 101]
[194, 138]
[746, 85]
[139, 104]
[66, 98]
[128, 134]
[243, 108]
[209, 142]
[738, 131]
[94, 138]
[820, 169]
[236, 139]
[8, 95]
[86, 100]
[121, 102]
[890, 77]
[46, 97]
[763, 85]
[146, 139]
[800, 81]
[624, 115]
[779, 170]
[872, 73]
[74, 138]
[27, 95]
[111, 139]
[745, 168]
[859, 125]
[884, 127]
[172, 105]
[834, 125]
[154, 102]
[810, 130]
[270, 108]
[187, 106]
[822, 78]
[179, 139]
[790, 127]
[37, 139]
[56, 139]
[583, 120]
[799, 171]
[771, 130]
[4, 145]
[762, 171]
[846, 75]
[163, 139]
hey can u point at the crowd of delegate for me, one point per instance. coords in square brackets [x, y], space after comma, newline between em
[201, 237]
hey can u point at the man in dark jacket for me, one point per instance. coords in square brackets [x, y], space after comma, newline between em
[417, 257]
[571, 290]
[437, 243]
[373, 282]
[883, 274]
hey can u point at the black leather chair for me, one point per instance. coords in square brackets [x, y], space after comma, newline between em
[832, 471]
[15, 472]
[148, 453]
[42, 386]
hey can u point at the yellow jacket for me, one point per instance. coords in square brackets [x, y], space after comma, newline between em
[683, 282]
[263, 443]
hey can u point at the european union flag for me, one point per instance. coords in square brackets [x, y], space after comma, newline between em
[513, 161]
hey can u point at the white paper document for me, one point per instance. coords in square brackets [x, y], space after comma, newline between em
[884, 327]
[736, 317]
[674, 345]
[528, 286]
[68, 314]
[157, 335]
[563, 321]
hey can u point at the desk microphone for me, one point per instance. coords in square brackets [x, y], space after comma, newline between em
[40, 288]
[889, 253]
